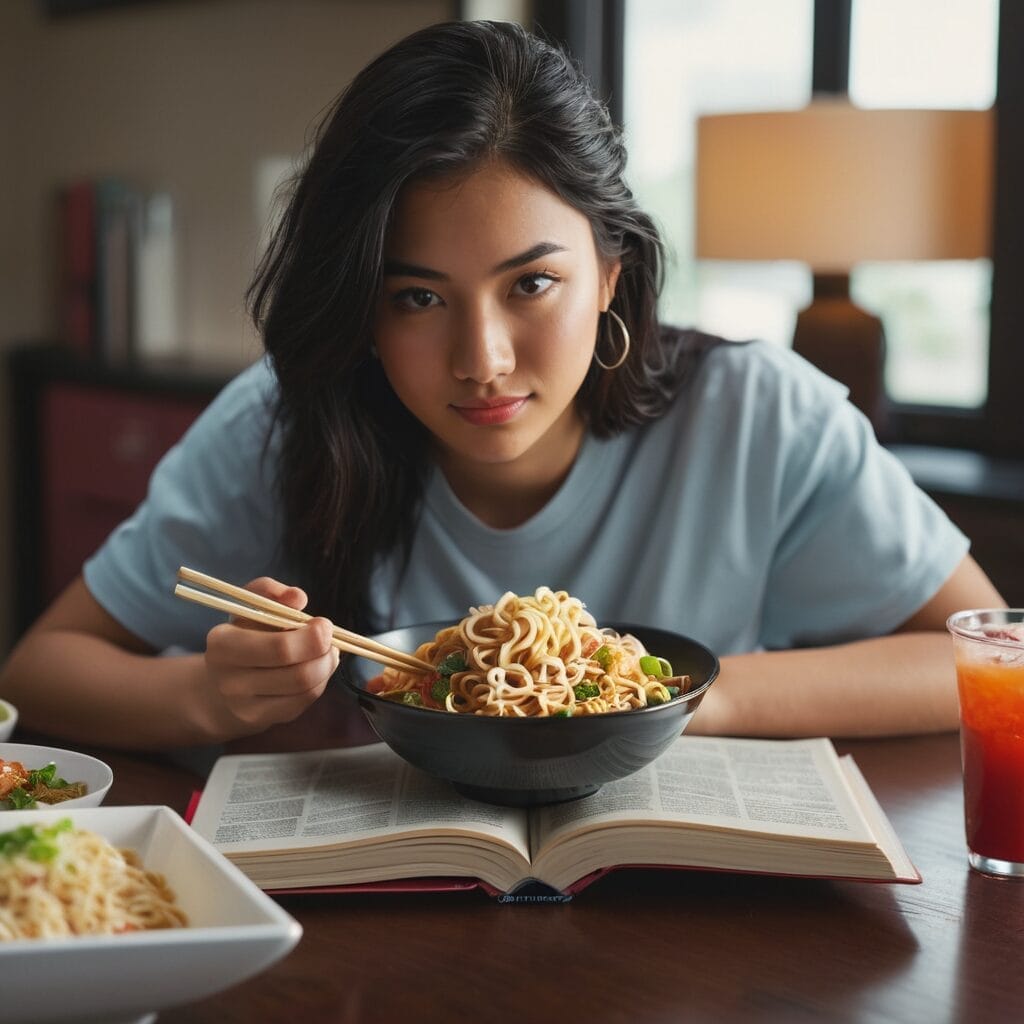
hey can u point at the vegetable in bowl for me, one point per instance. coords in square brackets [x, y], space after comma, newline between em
[34, 777]
[530, 761]
[22, 788]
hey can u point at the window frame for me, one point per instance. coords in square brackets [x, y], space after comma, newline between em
[593, 30]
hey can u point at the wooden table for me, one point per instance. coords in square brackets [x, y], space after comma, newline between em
[660, 946]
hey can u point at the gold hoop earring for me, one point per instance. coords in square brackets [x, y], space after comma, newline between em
[625, 343]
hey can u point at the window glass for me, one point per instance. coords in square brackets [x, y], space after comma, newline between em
[927, 53]
[923, 53]
[684, 58]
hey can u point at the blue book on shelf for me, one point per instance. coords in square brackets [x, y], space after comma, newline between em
[118, 226]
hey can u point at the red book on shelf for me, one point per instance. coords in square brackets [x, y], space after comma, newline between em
[78, 266]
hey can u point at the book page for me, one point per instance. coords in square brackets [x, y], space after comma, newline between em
[880, 824]
[345, 797]
[780, 787]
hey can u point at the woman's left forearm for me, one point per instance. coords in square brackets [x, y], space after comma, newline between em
[891, 685]
[898, 684]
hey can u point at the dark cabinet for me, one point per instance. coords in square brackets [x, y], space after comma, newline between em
[85, 439]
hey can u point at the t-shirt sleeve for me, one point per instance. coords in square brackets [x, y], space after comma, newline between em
[211, 505]
[859, 548]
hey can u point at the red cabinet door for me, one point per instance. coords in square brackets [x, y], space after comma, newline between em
[99, 447]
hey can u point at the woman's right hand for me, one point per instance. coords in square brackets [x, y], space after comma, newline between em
[261, 677]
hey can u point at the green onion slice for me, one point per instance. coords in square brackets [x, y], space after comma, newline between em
[657, 667]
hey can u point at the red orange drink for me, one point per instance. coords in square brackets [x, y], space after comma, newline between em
[989, 652]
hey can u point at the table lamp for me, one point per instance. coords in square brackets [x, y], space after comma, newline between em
[832, 185]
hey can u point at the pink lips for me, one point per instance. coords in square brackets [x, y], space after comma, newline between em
[490, 412]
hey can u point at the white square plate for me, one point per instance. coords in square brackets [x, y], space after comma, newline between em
[234, 931]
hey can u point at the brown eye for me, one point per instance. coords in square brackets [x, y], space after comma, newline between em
[535, 284]
[416, 298]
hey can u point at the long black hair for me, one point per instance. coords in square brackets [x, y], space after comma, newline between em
[437, 103]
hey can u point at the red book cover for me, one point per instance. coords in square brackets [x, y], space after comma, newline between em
[78, 266]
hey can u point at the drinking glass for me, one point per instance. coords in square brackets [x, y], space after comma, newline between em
[988, 646]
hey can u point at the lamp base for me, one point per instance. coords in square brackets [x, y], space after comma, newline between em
[847, 343]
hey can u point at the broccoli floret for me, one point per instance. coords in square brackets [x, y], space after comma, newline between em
[412, 698]
[584, 691]
[454, 662]
[564, 713]
[441, 688]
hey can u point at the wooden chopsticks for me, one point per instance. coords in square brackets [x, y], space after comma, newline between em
[261, 609]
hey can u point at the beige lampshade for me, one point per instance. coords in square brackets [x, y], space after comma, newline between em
[833, 184]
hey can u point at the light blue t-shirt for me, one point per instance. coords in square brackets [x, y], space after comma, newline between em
[759, 512]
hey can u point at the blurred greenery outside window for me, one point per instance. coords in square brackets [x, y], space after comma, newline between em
[683, 58]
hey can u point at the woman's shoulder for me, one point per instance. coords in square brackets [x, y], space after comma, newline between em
[767, 371]
[252, 391]
[244, 409]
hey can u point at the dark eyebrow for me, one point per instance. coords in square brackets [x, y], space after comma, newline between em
[533, 253]
[399, 268]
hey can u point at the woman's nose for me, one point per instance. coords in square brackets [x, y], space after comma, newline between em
[483, 349]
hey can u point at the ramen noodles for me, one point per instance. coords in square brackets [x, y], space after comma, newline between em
[532, 656]
[58, 881]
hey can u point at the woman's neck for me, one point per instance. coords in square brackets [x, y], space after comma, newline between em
[505, 495]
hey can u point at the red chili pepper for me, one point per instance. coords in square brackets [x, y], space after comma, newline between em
[426, 685]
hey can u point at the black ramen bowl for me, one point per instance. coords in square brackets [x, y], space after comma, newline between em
[529, 761]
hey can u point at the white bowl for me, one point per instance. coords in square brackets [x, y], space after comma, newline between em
[71, 765]
[234, 930]
[8, 719]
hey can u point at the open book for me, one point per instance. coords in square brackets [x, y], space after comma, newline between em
[363, 818]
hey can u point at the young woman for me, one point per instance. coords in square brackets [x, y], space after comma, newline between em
[467, 391]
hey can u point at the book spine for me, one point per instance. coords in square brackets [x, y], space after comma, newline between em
[116, 238]
[77, 215]
[118, 271]
[155, 291]
[529, 890]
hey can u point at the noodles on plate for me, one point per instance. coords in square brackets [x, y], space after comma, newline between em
[58, 881]
[22, 787]
[532, 657]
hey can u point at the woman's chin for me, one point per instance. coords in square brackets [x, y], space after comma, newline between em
[490, 450]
